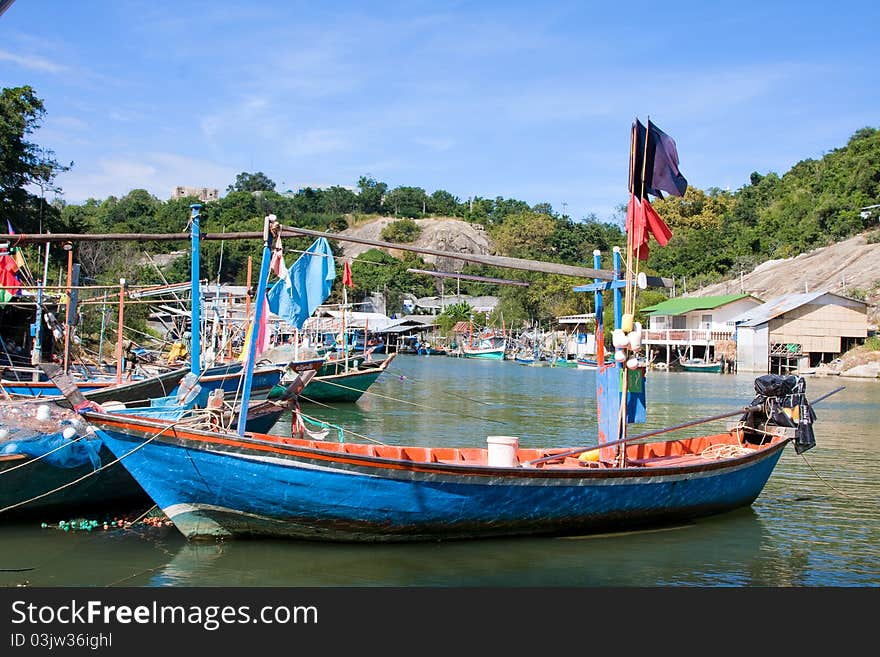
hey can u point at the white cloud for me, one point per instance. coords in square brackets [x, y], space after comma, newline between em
[158, 173]
[32, 62]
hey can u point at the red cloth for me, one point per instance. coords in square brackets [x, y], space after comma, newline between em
[8, 280]
[346, 275]
[635, 227]
[262, 333]
[642, 221]
[656, 226]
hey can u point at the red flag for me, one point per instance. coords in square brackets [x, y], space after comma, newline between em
[346, 275]
[655, 225]
[635, 227]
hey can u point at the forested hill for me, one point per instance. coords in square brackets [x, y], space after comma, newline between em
[717, 234]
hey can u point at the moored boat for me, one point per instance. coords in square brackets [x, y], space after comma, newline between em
[699, 365]
[302, 488]
[337, 383]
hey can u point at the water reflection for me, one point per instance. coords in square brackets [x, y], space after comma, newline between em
[817, 522]
[727, 550]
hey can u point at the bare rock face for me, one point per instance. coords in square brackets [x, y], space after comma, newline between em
[440, 234]
[840, 268]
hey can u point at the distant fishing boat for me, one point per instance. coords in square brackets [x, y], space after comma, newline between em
[491, 348]
[699, 365]
[335, 383]
[587, 363]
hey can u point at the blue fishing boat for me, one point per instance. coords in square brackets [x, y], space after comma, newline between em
[699, 365]
[223, 483]
[356, 492]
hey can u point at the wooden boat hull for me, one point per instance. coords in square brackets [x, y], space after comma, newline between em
[213, 485]
[48, 390]
[341, 387]
[701, 367]
[112, 489]
[486, 354]
[140, 392]
[590, 363]
[264, 380]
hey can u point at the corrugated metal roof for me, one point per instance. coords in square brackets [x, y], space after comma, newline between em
[682, 305]
[779, 306]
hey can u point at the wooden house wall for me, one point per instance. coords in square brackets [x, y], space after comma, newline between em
[818, 327]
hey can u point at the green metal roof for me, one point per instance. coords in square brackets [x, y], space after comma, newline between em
[682, 305]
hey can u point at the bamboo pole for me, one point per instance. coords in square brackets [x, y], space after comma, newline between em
[67, 325]
[498, 261]
[119, 330]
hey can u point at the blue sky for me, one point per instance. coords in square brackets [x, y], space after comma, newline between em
[524, 100]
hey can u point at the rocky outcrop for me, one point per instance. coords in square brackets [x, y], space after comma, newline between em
[840, 268]
[860, 362]
[441, 234]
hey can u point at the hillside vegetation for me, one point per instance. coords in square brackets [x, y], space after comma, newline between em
[716, 234]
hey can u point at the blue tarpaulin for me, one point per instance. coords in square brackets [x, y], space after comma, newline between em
[307, 285]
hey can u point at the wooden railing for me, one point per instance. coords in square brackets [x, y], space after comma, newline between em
[686, 336]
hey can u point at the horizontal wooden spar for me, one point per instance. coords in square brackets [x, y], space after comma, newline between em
[467, 277]
[491, 260]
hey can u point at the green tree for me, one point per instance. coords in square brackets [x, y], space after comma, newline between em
[370, 194]
[445, 204]
[24, 163]
[338, 200]
[452, 314]
[407, 201]
[524, 235]
[402, 230]
[252, 182]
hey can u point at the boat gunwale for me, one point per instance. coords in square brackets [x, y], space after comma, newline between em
[273, 444]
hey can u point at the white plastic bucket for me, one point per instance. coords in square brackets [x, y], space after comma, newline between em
[502, 451]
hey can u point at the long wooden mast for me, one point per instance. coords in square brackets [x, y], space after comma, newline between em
[492, 260]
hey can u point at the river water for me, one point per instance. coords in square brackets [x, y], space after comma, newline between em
[817, 522]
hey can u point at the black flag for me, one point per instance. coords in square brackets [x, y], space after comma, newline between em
[659, 163]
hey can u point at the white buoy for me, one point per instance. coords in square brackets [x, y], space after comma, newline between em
[635, 338]
[4, 433]
[619, 356]
[618, 338]
[44, 413]
[632, 363]
[68, 433]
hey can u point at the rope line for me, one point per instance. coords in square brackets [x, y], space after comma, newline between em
[823, 480]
